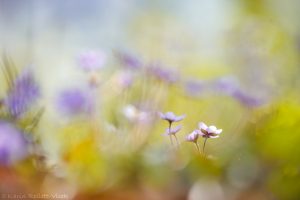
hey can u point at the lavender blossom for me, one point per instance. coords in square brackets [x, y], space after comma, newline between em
[247, 99]
[13, 146]
[92, 60]
[129, 61]
[194, 87]
[171, 117]
[226, 85]
[23, 94]
[74, 101]
[163, 74]
[229, 86]
[173, 131]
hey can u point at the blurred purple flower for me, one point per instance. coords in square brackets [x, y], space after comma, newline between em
[194, 87]
[246, 99]
[227, 85]
[92, 60]
[13, 146]
[23, 94]
[208, 131]
[129, 61]
[74, 101]
[163, 74]
[171, 117]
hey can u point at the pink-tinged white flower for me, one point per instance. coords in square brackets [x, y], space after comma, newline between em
[193, 136]
[92, 60]
[173, 131]
[171, 117]
[208, 131]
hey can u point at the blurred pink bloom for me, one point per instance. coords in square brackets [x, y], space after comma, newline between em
[92, 60]
[193, 137]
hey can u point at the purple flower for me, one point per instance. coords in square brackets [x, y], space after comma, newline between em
[22, 95]
[246, 99]
[173, 131]
[194, 87]
[163, 74]
[227, 85]
[193, 137]
[74, 101]
[13, 146]
[92, 60]
[208, 131]
[171, 117]
[129, 61]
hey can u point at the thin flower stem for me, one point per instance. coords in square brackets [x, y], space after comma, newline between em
[204, 145]
[171, 140]
[197, 147]
[176, 140]
[170, 124]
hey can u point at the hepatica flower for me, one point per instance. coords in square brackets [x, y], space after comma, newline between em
[205, 132]
[170, 117]
[23, 94]
[193, 137]
[13, 146]
[74, 101]
[208, 131]
[173, 131]
[92, 60]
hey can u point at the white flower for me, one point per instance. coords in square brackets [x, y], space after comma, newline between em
[208, 131]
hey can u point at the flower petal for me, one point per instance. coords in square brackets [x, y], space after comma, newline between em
[212, 129]
[202, 125]
[179, 118]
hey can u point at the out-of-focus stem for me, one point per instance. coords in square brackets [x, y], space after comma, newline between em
[176, 140]
[197, 147]
[170, 124]
[204, 145]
